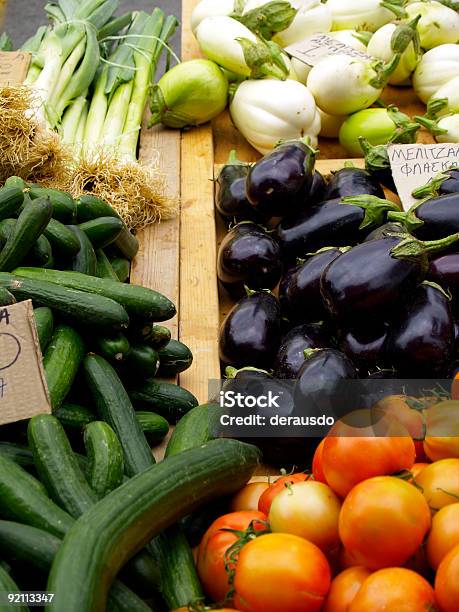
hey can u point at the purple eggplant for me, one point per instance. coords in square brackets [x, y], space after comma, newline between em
[250, 332]
[444, 270]
[377, 163]
[248, 256]
[388, 228]
[456, 338]
[340, 221]
[230, 193]
[364, 346]
[299, 291]
[352, 182]
[432, 219]
[445, 182]
[421, 341]
[290, 356]
[374, 277]
[317, 190]
[280, 181]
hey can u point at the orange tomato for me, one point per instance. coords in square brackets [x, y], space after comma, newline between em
[213, 546]
[248, 497]
[447, 582]
[187, 609]
[394, 589]
[439, 482]
[281, 572]
[344, 588]
[317, 467]
[444, 534]
[277, 486]
[455, 387]
[346, 560]
[396, 407]
[442, 430]
[417, 469]
[383, 522]
[310, 510]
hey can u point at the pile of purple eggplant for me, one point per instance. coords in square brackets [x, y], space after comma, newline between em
[372, 290]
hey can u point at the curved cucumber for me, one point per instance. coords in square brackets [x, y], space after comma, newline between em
[105, 469]
[102, 231]
[168, 400]
[104, 267]
[62, 239]
[174, 358]
[7, 585]
[122, 268]
[44, 322]
[85, 260]
[193, 429]
[62, 202]
[127, 244]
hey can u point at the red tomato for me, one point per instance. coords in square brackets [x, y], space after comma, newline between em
[278, 485]
[346, 560]
[213, 546]
[383, 522]
[317, 467]
[442, 431]
[248, 497]
[444, 534]
[394, 589]
[281, 572]
[439, 482]
[447, 582]
[310, 510]
[344, 588]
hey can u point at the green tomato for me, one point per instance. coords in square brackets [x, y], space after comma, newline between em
[373, 123]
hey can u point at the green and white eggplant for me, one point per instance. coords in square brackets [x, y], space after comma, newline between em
[447, 129]
[211, 8]
[364, 14]
[447, 98]
[234, 47]
[435, 69]
[438, 24]
[269, 110]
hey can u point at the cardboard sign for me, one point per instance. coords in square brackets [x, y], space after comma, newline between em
[14, 66]
[23, 390]
[413, 165]
[319, 46]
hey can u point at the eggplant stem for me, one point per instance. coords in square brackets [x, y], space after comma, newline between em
[431, 188]
[413, 249]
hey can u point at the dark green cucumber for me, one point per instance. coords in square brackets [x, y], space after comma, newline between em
[6, 298]
[6, 229]
[156, 336]
[19, 501]
[168, 400]
[41, 254]
[140, 302]
[154, 426]
[120, 524]
[30, 225]
[114, 348]
[61, 362]
[122, 268]
[104, 267]
[127, 244]
[57, 466]
[7, 585]
[85, 261]
[76, 306]
[62, 202]
[102, 231]
[44, 322]
[22, 455]
[174, 358]
[195, 428]
[89, 207]
[34, 547]
[63, 241]
[105, 469]
[114, 406]
[11, 199]
[142, 360]
[74, 416]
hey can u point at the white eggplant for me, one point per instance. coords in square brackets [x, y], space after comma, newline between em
[449, 94]
[234, 47]
[450, 129]
[330, 124]
[363, 14]
[301, 69]
[437, 67]
[210, 8]
[438, 25]
[269, 110]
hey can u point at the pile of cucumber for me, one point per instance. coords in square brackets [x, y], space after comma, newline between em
[80, 494]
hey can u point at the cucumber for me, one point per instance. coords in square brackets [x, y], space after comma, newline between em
[16, 181]
[32, 546]
[104, 267]
[6, 298]
[77, 306]
[102, 231]
[127, 244]
[174, 358]
[154, 426]
[57, 466]
[193, 429]
[156, 336]
[63, 241]
[85, 260]
[122, 268]
[105, 469]
[89, 207]
[114, 348]
[19, 501]
[142, 360]
[114, 407]
[140, 302]
[120, 524]
[22, 455]
[63, 206]
[30, 225]
[11, 199]
[41, 254]
[61, 362]
[6, 229]
[44, 322]
[7, 585]
[74, 416]
[168, 400]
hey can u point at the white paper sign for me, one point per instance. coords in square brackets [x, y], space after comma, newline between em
[413, 165]
[319, 46]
